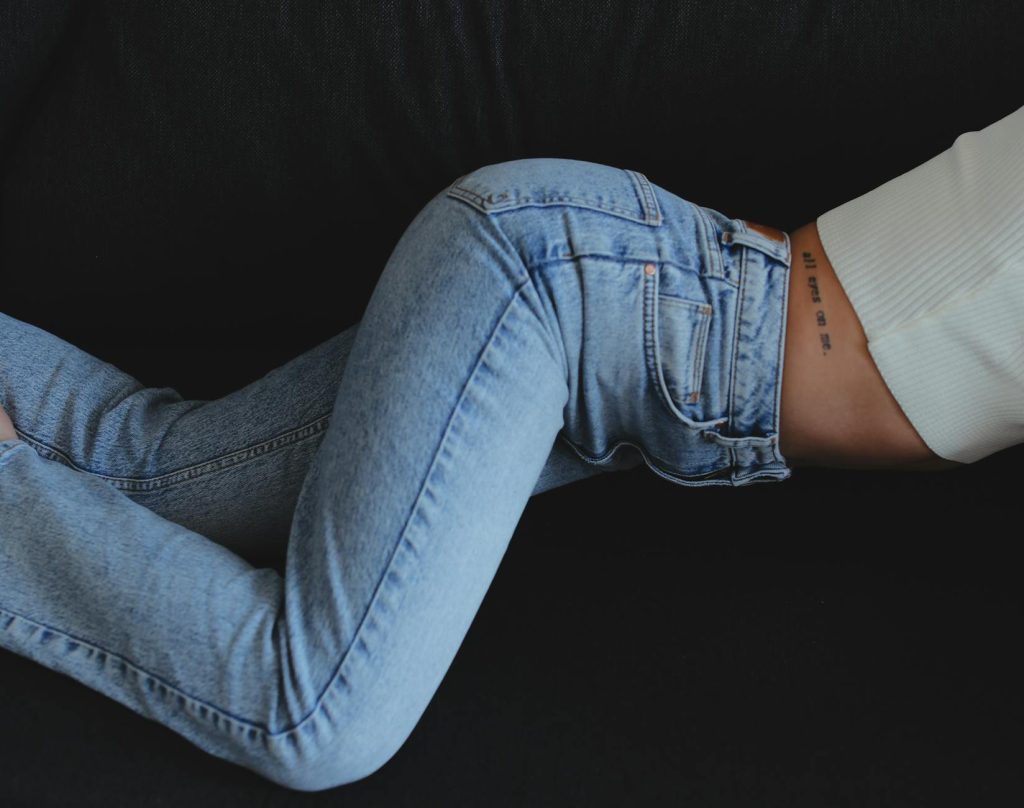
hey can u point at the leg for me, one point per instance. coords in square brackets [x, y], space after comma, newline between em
[444, 417]
[230, 468]
[488, 334]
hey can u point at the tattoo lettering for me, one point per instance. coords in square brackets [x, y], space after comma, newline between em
[813, 283]
[811, 264]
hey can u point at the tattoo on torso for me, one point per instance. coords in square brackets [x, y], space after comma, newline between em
[811, 266]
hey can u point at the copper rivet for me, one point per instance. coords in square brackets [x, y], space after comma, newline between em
[649, 269]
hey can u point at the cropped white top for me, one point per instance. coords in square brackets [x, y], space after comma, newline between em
[933, 264]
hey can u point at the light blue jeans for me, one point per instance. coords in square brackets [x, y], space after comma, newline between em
[539, 321]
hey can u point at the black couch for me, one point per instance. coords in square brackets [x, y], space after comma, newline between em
[198, 191]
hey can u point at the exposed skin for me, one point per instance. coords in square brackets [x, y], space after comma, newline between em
[6, 427]
[836, 408]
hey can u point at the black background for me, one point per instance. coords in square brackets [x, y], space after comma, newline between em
[198, 191]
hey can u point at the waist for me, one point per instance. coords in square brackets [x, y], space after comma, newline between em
[836, 409]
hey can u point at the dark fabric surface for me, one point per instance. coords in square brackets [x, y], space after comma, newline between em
[197, 191]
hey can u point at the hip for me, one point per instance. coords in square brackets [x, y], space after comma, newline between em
[668, 316]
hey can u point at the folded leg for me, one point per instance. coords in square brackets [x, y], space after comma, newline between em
[229, 468]
[446, 412]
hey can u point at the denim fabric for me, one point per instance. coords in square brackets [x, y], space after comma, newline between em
[539, 321]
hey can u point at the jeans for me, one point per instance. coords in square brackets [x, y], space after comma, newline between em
[538, 322]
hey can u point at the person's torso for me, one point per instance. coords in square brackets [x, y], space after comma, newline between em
[836, 408]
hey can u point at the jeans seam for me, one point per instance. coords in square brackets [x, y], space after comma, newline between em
[262, 731]
[480, 203]
[731, 397]
[627, 259]
[165, 481]
[404, 542]
[104, 653]
[648, 200]
[528, 280]
[650, 459]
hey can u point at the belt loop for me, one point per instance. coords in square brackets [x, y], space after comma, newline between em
[642, 185]
[712, 248]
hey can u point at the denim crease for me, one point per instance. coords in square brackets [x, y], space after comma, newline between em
[538, 322]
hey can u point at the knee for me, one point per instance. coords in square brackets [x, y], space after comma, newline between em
[345, 739]
[331, 765]
[324, 776]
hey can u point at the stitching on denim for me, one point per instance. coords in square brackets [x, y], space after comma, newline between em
[358, 638]
[703, 325]
[255, 728]
[740, 298]
[652, 461]
[622, 259]
[652, 344]
[780, 348]
[712, 254]
[648, 200]
[650, 327]
[469, 196]
[528, 267]
[480, 202]
[700, 365]
[165, 689]
[216, 464]
[754, 239]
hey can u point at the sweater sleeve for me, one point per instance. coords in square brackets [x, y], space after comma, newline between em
[933, 264]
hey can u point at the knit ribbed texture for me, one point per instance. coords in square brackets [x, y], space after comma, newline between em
[933, 264]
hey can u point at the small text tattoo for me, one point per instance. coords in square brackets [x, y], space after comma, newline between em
[812, 282]
[811, 265]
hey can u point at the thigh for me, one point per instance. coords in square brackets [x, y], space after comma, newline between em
[487, 338]
[230, 468]
[449, 406]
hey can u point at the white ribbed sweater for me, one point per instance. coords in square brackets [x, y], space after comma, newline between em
[933, 264]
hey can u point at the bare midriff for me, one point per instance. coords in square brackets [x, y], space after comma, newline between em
[837, 410]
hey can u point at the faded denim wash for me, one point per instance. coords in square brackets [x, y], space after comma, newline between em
[539, 321]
